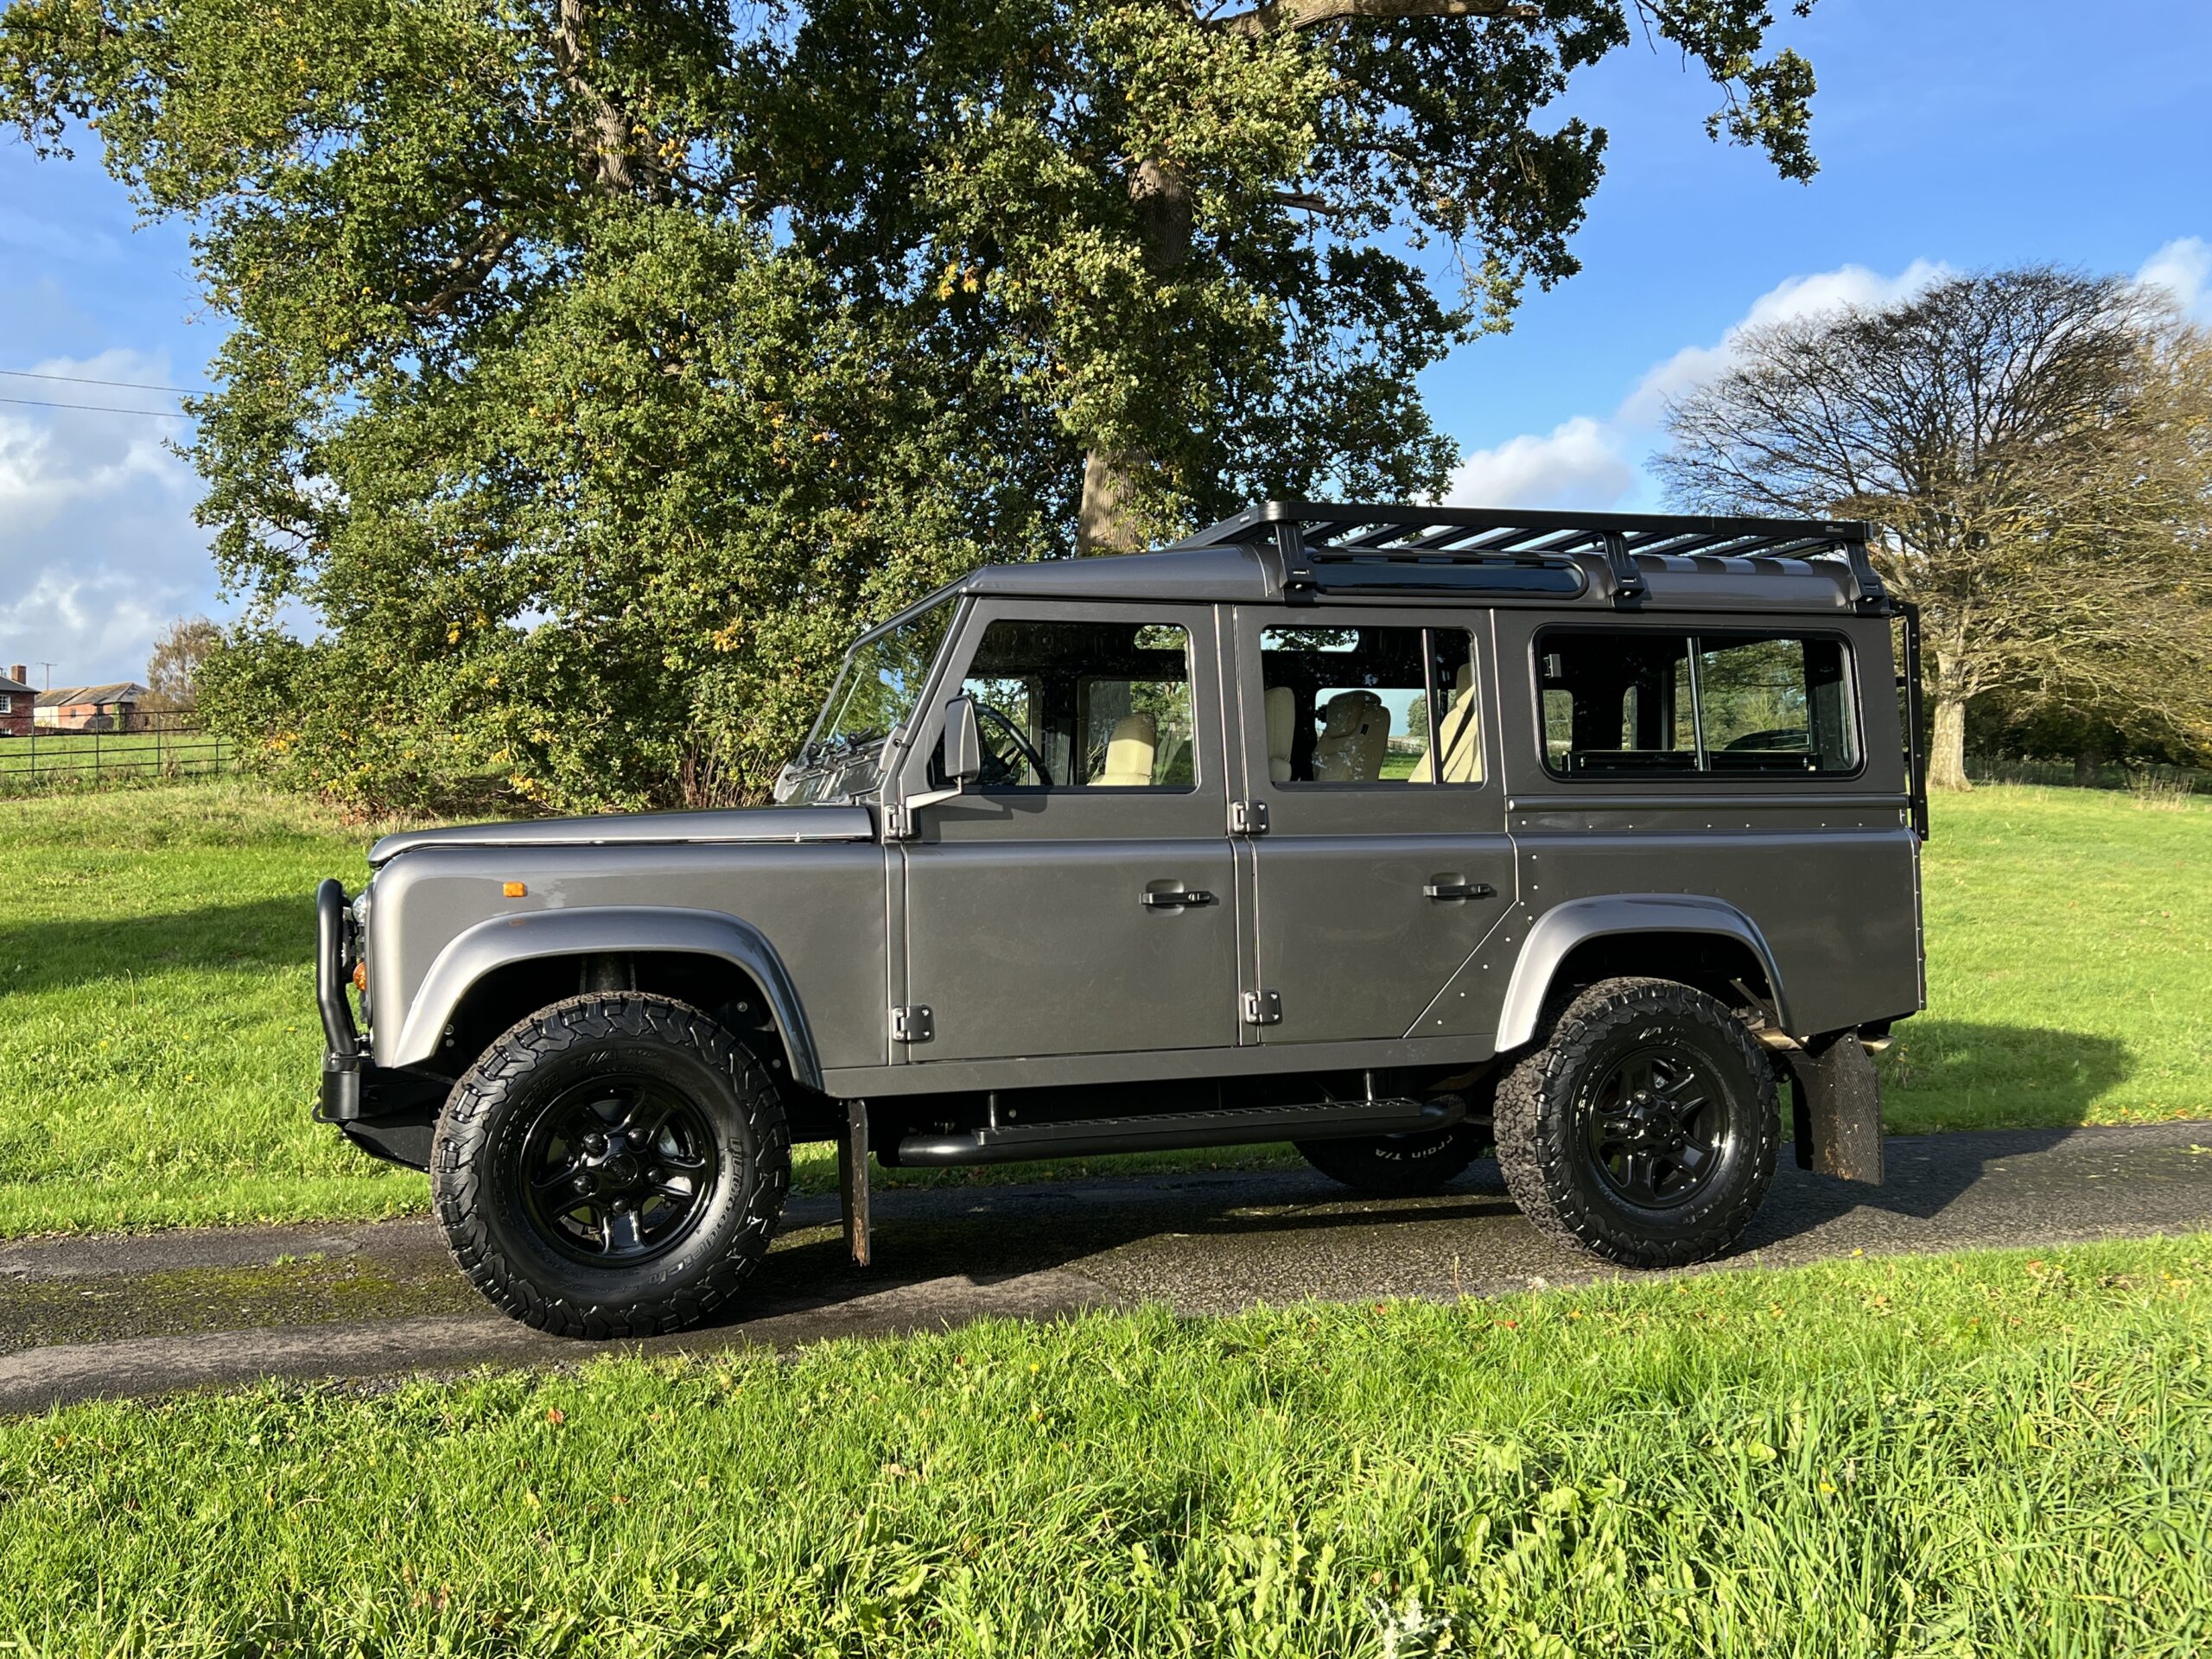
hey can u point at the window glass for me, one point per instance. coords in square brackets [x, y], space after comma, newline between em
[1090, 705]
[1775, 705]
[1622, 703]
[1352, 705]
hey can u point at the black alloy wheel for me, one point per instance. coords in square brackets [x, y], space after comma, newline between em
[1644, 1129]
[618, 1169]
[612, 1165]
[1655, 1127]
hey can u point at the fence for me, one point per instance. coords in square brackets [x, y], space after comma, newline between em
[168, 747]
[2006, 769]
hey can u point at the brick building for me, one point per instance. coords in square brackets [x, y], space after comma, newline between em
[16, 701]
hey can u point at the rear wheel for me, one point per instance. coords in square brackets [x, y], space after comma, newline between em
[614, 1165]
[1399, 1165]
[1645, 1128]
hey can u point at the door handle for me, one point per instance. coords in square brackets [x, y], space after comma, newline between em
[1461, 890]
[1174, 900]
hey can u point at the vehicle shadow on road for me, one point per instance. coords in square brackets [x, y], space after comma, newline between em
[2056, 1075]
[990, 1235]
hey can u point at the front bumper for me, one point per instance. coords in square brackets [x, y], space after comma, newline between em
[343, 1061]
[390, 1112]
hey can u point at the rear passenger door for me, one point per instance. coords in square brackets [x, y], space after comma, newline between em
[1368, 748]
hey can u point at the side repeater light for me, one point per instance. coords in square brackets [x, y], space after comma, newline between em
[514, 890]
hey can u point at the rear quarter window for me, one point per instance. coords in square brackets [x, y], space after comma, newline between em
[1620, 703]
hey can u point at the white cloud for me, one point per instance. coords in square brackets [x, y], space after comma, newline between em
[98, 549]
[1594, 463]
[2183, 267]
[1850, 286]
[1577, 464]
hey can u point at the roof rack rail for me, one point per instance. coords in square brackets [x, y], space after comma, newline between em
[1307, 544]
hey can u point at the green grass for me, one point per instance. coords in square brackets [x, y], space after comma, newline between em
[159, 1053]
[2069, 953]
[1996, 1453]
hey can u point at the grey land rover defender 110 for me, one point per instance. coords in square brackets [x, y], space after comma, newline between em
[1398, 833]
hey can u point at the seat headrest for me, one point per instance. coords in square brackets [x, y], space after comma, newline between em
[1345, 713]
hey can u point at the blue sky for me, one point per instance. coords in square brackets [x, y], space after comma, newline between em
[1952, 134]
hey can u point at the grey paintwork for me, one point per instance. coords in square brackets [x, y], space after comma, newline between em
[1556, 932]
[733, 826]
[814, 909]
[1017, 920]
[598, 930]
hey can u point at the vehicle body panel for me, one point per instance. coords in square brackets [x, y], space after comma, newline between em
[819, 905]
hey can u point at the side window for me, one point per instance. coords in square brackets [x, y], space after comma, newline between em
[1629, 704]
[1775, 705]
[1370, 705]
[1089, 705]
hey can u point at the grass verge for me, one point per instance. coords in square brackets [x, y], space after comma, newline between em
[1989, 1453]
[160, 1055]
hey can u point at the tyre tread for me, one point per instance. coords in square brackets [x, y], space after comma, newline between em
[458, 1198]
[1535, 1147]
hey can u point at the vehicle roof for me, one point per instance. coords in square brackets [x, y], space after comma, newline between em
[1328, 553]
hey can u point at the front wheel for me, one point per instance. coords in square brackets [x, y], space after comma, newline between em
[1645, 1130]
[614, 1165]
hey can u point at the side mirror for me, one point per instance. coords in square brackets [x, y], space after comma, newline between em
[964, 743]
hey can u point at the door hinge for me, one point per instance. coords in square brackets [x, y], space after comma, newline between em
[1264, 1007]
[1247, 817]
[911, 1022]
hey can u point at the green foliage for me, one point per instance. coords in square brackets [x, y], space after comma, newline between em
[1988, 1453]
[596, 370]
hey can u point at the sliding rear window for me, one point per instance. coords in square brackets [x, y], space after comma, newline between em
[1638, 703]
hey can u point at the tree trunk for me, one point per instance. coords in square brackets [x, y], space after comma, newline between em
[2088, 764]
[1947, 750]
[1109, 521]
[1106, 522]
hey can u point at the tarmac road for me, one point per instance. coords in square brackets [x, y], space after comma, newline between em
[122, 1316]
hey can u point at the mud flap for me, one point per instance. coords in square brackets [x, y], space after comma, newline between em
[852, 1181]
[1836, 1108]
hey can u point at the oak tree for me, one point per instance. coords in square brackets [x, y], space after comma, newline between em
[595, 370]
[2035, 445]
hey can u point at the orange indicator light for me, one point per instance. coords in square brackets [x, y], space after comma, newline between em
[515, 890]
[361, 977]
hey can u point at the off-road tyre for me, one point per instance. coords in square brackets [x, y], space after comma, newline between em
[1399, 1165]
[1546, 1104]
[476, 1166]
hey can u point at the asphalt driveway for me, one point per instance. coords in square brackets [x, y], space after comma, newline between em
[87, 1318]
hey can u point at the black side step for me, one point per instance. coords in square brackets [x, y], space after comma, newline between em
[1008, 1143]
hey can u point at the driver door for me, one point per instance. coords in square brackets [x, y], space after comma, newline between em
[1079, 897]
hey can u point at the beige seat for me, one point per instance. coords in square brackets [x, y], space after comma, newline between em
[1460, 735]
[1282, 717]
[1129, 751]
[1355, 736]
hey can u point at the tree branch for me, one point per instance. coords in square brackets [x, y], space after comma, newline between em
[1287, 16]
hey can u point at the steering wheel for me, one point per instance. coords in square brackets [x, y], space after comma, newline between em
[998, 769]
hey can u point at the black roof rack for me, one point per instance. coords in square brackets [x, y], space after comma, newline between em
[1342, 548]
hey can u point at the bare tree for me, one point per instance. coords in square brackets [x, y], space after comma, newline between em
[2034, 444]
[174, 664]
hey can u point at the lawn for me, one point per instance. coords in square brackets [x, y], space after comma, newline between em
[1999, 1452]
[159, 1053]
